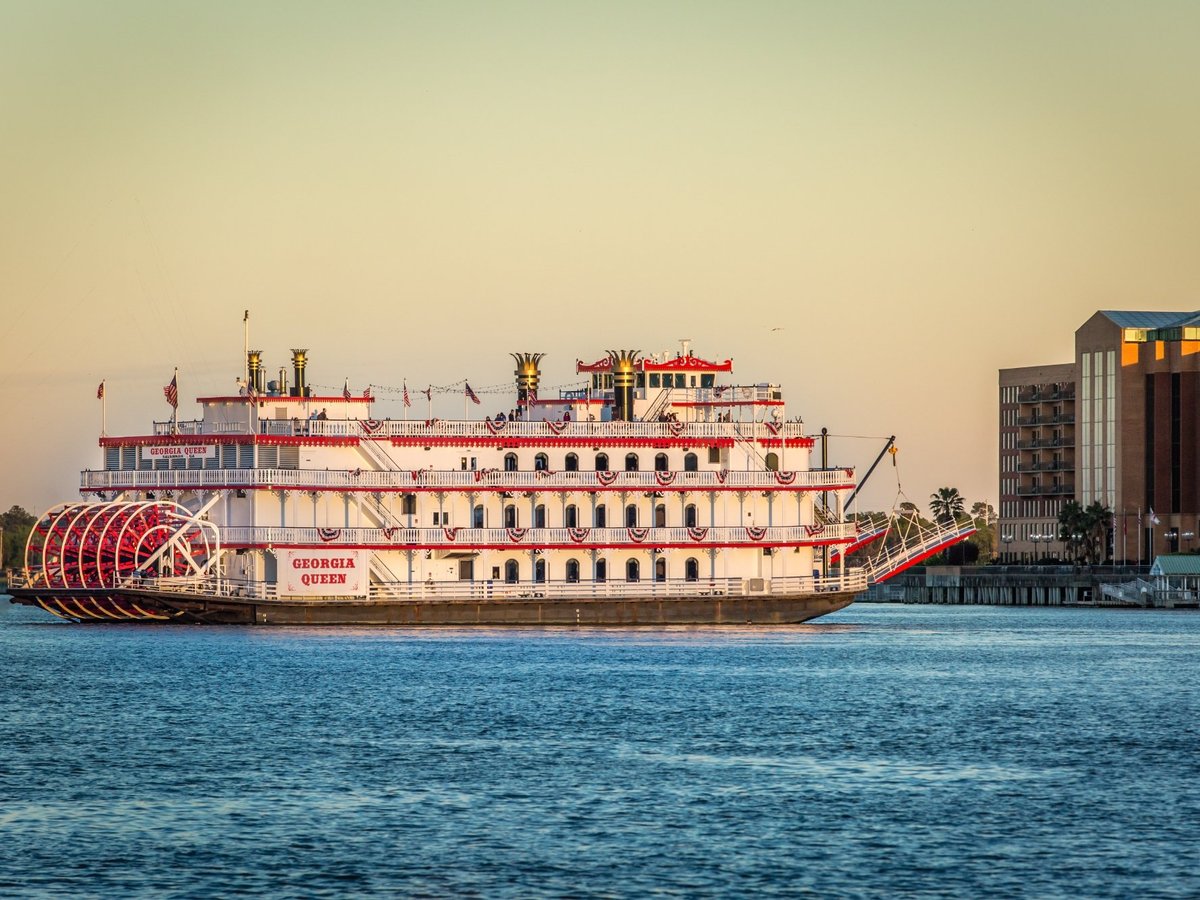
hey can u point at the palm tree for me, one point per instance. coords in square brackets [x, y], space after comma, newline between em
[946, 504]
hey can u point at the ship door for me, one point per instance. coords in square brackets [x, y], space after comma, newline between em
[466, 570]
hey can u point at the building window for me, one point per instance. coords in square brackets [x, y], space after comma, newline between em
[510, 462]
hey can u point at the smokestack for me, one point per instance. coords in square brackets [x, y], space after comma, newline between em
[254, 371]
[624, 366]
[527, 375]
[299, 361]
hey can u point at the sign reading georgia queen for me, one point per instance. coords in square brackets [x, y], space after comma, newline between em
[323, 573]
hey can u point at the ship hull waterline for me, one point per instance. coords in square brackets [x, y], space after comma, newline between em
[155, 606]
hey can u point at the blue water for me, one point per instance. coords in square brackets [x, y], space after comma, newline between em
[883, 751]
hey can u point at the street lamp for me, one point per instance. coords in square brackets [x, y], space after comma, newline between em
[1006, 538]
[1036, 538]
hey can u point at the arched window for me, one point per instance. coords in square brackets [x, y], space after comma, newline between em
[660, 569]
[510, 516]
[510, 462]
[689, 515]
[601, 462]
[631, 516]
[632, 571]
[571, 516]
[539, 516]
[772, 461]
[571, 463]
[691, 463]
[477, 516]
[602, 570]
[660, 462]
[512, 572]
[660, 516]
[691, 569]
[408, 505]
[631, 462]
[539, 571]
[541, 462]
[572, 571]
[601, 516]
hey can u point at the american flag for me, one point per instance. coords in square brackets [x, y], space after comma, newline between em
[471, 394]
[407, 401]
[429, 393]
[346, 390]
[252, 390]
[100, 391]
[171, 392]
[531, 396]
[367, 393]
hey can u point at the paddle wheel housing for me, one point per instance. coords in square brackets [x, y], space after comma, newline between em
[103, 545]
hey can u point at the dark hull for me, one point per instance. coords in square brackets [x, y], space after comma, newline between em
[128, 606]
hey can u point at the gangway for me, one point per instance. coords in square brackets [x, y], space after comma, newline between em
[915, 547]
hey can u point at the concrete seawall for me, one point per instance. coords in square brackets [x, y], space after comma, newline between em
[1007, 585]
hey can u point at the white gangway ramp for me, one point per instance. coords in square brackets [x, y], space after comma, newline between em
[917, 544]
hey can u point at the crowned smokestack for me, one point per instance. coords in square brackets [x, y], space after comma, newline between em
[624, 367]
[299, 361]
[254, 370]
[527, 376]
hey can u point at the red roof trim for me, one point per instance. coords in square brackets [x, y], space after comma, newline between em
[688, 363]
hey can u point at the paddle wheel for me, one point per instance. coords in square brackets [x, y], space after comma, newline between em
[98, 546]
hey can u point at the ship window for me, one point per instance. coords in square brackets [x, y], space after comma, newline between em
[129, 457]
[714, 454]
[602, 570]
[691, 462]
[655, 380]
[510, 516]
[660, 462]
[161, 463]
[632, 571]
[229, 456]
[571, 463]
[601, 462]
[689, 515]
[179, 462]
[707, 381]
[510, 462]
[660, 516]
[112, 458]
[197, 462]
[268, 457]
[289, 457]
[572, 571]
[539, 571]
[601, 516]
[477, 516]
[631, 516]
[541, 462]
[660, 569]
[772, 461]
[571, 516]
[631, 462]
[539, 516]
[691, 569]
[246, 456]
[408, 506]
[512, 571]
[680, 380]
[693, 381]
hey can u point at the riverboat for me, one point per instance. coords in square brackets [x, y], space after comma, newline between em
[656, 491]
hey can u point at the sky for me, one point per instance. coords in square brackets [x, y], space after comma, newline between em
[875, 204]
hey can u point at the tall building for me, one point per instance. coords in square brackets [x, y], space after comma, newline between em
[1118, 426]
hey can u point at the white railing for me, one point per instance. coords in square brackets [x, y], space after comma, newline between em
[855, 580]
[534, 538]
[469, 428]
[455, 479]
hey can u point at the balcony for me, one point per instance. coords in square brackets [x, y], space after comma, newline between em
[1045, 490]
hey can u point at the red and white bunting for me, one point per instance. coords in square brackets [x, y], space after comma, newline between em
[495, 427]
[697, 534]
[606, 477]
[722, 475]
[814, 530]
[557, 427]
[579, 535]
[329, 534]
[516, 535]
[390, 532]
[785, 477]
[756, 532]
[664, 478]
[451, 533]
[370, 426]
[637, 535]
[676, 428]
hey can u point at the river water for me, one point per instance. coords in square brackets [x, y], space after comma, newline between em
[883, 751]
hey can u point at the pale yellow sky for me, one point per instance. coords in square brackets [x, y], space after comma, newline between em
[916, 193]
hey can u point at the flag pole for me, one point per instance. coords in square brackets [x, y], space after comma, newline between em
[429, 403]
[245, 336]
[103, 410]
[464, 400]
[175, 407]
